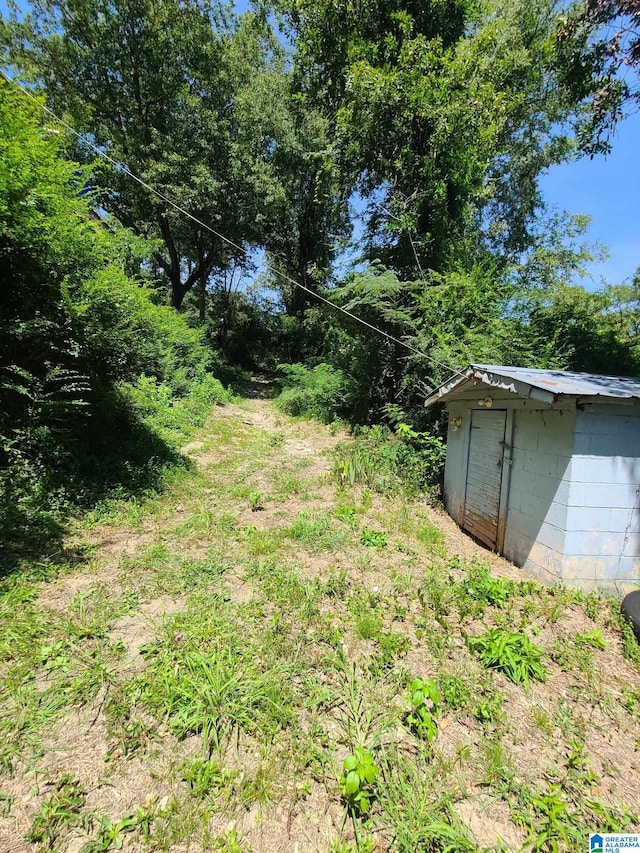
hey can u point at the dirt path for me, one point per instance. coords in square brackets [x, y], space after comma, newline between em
[197, 684]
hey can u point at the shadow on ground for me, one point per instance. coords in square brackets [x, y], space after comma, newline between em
[75, 475]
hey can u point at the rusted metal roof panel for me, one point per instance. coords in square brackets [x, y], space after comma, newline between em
[545, 385]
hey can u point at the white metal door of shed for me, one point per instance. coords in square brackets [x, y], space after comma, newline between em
[484, 475]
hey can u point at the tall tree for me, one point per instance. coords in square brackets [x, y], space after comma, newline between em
[163, 88]
[445, 116]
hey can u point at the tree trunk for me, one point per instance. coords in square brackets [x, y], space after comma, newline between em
[178, 292]
[202, 299]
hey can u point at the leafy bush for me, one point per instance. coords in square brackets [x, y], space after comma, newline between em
[77, 331]
[320, 392]
[174, 417]
[385, 461]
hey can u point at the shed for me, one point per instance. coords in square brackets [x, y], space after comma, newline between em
[543, 466]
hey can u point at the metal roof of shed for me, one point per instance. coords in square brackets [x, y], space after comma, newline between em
[544, 385]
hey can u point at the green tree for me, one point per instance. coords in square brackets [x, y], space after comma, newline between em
[172, 90]
[75, 329]
[445, 116]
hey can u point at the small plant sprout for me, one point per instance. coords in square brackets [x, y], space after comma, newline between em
[358, 780]
[255, 501]
[425, 705]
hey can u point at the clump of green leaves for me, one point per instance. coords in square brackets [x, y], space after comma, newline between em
[480, 589]
[513, 654]
[374, 538]
[357, 782]
[405, 461]
[630, 644]
[255, 501]
[455, 693]
[59, 812]
[425, 700]
[320, 392]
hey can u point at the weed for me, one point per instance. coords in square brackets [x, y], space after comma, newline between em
[367, 625]
[571, 656]
[480, 589]
[551, 823]
[430, 536]
[129, 733]
[230, 842]
[512, 654]
[358, 780]
[499, 770]
[593, 639]
[631, 701]
[109, 833]
[59, 812]
[391, 645]
[416, 809]
[374, 538]
[317, 532]
[488, 709]
[256, 502]
[425, 702]
[630, 645]
[217, 686]
[348, 515]
[542, 720]
[591, 605]
[6, 801]
[454, 692]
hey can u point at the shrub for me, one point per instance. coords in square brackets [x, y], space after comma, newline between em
[94, 373]
[387, 461]
[320, 392]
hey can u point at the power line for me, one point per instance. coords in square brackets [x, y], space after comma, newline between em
[120, 167]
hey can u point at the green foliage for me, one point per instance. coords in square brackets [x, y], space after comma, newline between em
[390, 462]
[91, 367]
[59, 812]
[480, 589]
[320, 392]
[375, 538]
[425, 701]
[358, 780]
[455, 693]
[512, 654]
[630, 644]
[214, 684]
[185, 94]
[255, 501]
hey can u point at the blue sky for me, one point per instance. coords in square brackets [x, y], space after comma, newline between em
[608, 190]
[605, 188]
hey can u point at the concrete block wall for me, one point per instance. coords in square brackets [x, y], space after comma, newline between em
[602, 544]
[455, 471]
[539, 490]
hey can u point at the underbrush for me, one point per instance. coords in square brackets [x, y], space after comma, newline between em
[404, 461]
[321, 392]
[124, 450]
[99, 380]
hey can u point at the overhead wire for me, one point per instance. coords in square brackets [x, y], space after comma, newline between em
[168, 200]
